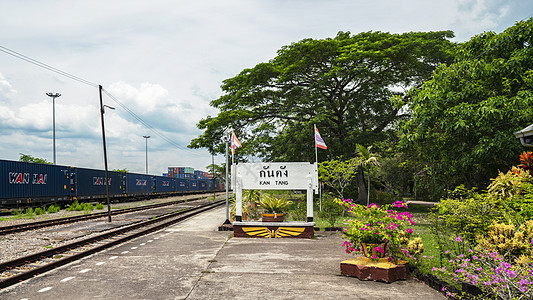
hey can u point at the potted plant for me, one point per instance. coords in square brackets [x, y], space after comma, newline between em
[274, 208]
[373, 229]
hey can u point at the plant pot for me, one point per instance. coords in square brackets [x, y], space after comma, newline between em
[369, 249]
[272, 218]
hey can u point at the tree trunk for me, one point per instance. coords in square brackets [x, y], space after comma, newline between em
[361, 187]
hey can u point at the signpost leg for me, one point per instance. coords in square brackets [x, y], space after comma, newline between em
[238, 198]
[309, 199]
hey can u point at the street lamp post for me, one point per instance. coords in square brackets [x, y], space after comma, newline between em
[146, 137]
[54, 96]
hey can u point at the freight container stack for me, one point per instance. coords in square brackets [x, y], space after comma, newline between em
[181, 172]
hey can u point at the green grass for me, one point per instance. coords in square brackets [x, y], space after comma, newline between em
[431, 257]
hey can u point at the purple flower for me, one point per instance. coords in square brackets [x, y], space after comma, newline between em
[506, 265]
[458, 239]
[409, 230]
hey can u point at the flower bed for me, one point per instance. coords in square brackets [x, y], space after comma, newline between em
[384, 227]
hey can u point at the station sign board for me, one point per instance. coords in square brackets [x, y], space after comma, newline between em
[276, 175]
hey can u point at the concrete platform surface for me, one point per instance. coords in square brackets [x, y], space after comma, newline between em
[192, 260]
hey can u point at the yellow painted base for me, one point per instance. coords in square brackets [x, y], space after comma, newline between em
[383, 263]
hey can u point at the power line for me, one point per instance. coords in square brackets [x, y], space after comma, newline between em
[45, 66]
[150, 127]
[92, 84]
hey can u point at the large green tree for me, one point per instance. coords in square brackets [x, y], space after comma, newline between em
[342, 84]
[463, 119]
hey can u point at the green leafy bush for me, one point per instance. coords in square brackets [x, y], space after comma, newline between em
[29, 212]
[53, 209]
[297, 211]
[99, 206]
[272, 204]
[466, 217]
[87, 207]
[331, 210]
[38, 211]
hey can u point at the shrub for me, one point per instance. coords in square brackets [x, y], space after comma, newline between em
[53, 208]
[99, 206]
[468, 217]
[87, 207]
[75, 206]
[331, 210]
[38, 211]
[272, 204]
[373, 224]
[504, 238]
[491, 272]
[29, 212]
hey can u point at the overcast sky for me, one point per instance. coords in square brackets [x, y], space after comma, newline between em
[165, 61]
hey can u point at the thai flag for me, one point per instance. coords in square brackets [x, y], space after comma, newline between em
[234, 142]
[319, 141]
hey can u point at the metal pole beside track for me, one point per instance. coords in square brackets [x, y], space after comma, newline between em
[226, 140]
[54, 96]
[105, 154]
[146, 137]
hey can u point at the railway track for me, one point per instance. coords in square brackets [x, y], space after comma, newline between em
[53, 222]
[23, 268]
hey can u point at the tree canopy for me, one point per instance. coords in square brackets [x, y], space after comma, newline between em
[464, 117]
[28, 158]
[342, 84]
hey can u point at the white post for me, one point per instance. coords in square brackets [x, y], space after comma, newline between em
[309, 198]
[238, 198]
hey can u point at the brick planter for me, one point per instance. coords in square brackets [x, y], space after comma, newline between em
[366, 269]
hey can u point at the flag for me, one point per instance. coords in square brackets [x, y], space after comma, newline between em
[234, 143]
[319, 141]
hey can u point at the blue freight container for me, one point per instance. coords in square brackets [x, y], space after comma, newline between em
[90, 183]
[22, 182]
[139, 184]
[193, 185]
[182, 185]
[164, 185]
[202, 185]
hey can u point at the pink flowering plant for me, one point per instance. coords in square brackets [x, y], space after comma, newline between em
[497, 276]
[376, 225]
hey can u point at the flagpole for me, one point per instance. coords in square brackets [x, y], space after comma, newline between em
[316, 149]
[232, 149]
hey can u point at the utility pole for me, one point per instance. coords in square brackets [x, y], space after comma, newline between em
[105, 152]
[146, 137]
[54, 96]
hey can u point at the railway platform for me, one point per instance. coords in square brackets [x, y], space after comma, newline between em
[192, 260]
